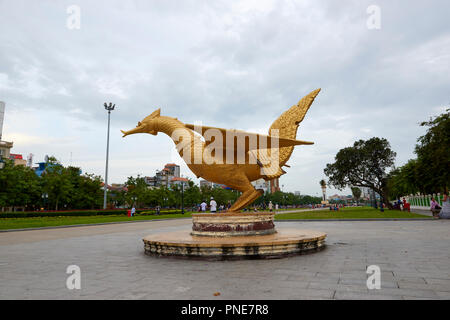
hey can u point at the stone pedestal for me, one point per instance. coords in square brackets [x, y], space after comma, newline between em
[232, 224]
[234, 236]
[284, 243]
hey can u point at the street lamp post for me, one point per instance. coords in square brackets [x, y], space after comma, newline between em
[109, 107]
[45, 199]
[182, 197]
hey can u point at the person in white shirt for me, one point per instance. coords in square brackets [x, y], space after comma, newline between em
[213, 205]
[203, 206]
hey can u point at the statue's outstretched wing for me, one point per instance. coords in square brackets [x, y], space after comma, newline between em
[252, 141]
[287, 124]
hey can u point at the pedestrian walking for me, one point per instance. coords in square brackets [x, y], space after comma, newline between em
[213, 205]
[203, 206]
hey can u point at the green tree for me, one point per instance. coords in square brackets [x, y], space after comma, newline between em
[433, 154]
[56, 183]
[429, 172]
[138, 192]
[87, 190]
[363, 165]
[405, 180]
[192, 194]
[19, 186]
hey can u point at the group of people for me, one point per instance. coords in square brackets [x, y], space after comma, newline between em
[436, 210]
[213, 208]
[402, 205]
[336, 207]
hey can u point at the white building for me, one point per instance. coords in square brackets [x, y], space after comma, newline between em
[262, 184]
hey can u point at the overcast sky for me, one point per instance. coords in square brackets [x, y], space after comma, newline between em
[231, 64]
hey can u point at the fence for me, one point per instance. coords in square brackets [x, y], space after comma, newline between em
[423, 201]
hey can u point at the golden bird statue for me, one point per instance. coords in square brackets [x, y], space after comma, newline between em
[232, 157]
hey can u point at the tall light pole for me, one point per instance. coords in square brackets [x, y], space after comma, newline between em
[182, 197]
[109, 107]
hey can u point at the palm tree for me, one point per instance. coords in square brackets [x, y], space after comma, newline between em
[356, 193]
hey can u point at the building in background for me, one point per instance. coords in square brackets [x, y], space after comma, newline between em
[262, 184]
[40, 169]
[115, 187]
[209, 184]
[30, 160]
[177, 181]
[18, 159]
[337, 197]
[164, 177]
[152, 182]
[365, 193]
[5, 148]
[205, 183]
[274, 185]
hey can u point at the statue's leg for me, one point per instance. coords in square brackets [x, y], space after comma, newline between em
[249, 193]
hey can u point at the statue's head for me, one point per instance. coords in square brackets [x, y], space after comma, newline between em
[148, 125]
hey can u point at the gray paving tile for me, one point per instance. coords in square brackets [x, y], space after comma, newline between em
[411, 254]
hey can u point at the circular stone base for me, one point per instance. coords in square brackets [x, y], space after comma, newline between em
[232, 224]
[285, 242]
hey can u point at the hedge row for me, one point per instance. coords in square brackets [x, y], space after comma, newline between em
[34, 214]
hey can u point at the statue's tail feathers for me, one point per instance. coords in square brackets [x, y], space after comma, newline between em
[287, 124]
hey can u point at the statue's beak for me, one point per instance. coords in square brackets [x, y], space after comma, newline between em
[139, 129]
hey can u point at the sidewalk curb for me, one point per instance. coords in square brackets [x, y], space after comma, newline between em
[90, 224]
[368, 219]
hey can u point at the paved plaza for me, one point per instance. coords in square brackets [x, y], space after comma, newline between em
[414, 257]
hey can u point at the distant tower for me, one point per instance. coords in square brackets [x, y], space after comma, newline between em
[323, 185]
[2, 116]
[30, 160]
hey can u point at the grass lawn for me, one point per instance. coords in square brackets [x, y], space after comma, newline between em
[350, 213]
[20, 223]
[347, 213]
